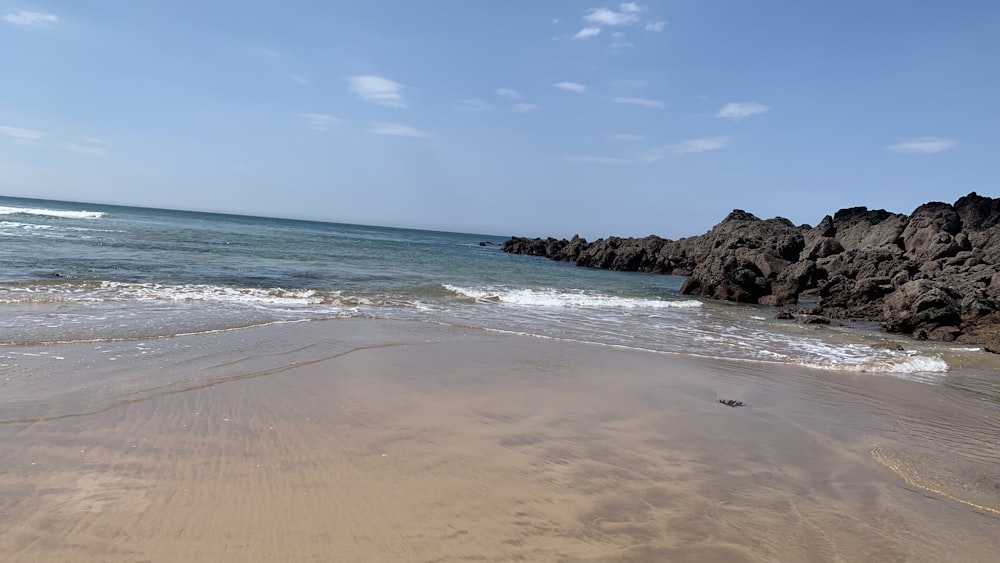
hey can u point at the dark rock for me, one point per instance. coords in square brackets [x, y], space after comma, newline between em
[744, 257]
[732, 403]
[933, 274]
[922, 306]
[812, 320]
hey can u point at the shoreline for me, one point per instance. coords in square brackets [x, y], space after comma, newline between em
[932, 274]
[399, 441]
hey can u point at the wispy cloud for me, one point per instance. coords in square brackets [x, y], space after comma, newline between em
[587, 32]
[470, 105]
[656, 26]
[25, 18]
[21, 134]
[298, 78]
[319, 121]
[377, 90]
[571, 87]
[628, 14]
[621, 45]
[630, 83]
[525, 108]
[687, 146]
[679, 148]
[923, 145]
[398, 130]
[646, 102]
[741, 109]
[508, 93]
[88, 149]
[267, 53]
[587, 159]
[627, 137]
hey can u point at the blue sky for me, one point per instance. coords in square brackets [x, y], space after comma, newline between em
[511, 118]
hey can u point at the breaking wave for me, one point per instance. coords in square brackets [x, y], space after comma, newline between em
[51, 212]
[568, 298]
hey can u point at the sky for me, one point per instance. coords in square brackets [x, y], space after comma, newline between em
[527, 118]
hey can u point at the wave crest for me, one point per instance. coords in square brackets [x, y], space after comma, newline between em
[51, 212]
[567, 298]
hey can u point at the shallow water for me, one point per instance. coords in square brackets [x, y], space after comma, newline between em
[152, 303]
[78, 272]
[359, 440]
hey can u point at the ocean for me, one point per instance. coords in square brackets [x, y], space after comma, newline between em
[103, 307]
[80, 272]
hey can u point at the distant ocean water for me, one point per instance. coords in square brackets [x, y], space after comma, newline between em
[75, 272]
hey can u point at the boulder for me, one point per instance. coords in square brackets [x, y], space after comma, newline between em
[934, 273]
[744, 257]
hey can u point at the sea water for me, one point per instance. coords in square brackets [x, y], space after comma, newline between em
[102, 306]
[89, 273]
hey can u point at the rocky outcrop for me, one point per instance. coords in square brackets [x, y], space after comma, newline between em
[934, 274]
[743, 259]
[650, 254]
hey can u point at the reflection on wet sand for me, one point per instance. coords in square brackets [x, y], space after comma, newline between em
[455, 446]
[975, 485]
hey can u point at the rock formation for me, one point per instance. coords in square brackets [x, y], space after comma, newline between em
[934, 274]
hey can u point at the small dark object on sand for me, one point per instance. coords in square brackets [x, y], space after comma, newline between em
[732, 403]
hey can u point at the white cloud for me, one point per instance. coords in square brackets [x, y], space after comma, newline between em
[508, 93]
[602, 16]
[319, 121]
[398, 130]
[298, 78]
[24, 18]
[21, 134]
[95, 141]
[738, 110]
[587, 32]
[587, 159]
[646, 102]
[472, 105]
[923, 145]
[268, 53]
[378, 90]
[571, 87]
[89, 150]
[627, 137]
[687, 146]
[525, 108]
[656, 26]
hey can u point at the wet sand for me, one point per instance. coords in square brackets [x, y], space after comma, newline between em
[415, 443]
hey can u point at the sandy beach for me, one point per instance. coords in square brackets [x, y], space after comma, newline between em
[383, 441]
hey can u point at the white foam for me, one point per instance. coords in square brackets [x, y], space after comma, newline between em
[567, 298]
[51, 212]
[926, 369]
[25, 226]
[194, 292]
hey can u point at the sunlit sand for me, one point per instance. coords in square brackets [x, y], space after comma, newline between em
[444, 444]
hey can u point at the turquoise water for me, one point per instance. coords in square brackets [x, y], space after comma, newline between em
[80, 272]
